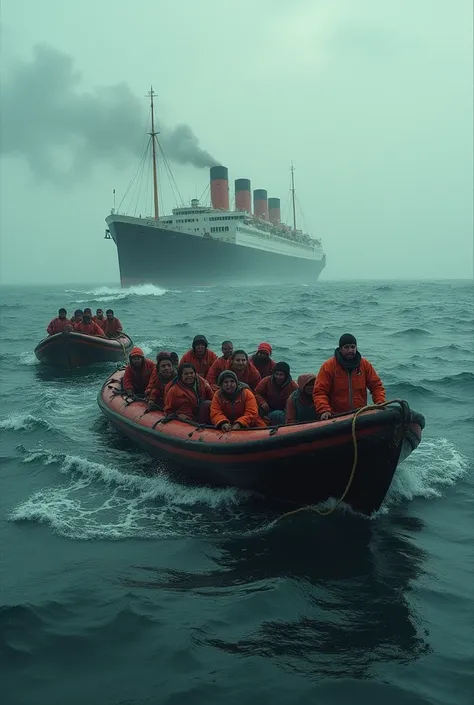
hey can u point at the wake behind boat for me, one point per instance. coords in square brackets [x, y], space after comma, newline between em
[71, 349]
[305, 463]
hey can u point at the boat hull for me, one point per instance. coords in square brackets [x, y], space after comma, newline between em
[68, 350]
[167, 258]
[304, 463]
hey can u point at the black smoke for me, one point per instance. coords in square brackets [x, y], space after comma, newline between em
[64, 132]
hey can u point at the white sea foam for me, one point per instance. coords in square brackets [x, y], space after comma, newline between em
[435, 465]
[106, 294]
[22, 422]
[28, 358]
[100, 501]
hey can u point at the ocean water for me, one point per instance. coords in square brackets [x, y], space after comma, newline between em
[118, 585]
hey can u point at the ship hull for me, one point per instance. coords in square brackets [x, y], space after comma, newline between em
[151, 255]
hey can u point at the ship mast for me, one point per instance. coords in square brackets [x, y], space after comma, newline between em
[293, 195]
[153, 135]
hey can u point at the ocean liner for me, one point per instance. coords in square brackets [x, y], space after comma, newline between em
[204, 245]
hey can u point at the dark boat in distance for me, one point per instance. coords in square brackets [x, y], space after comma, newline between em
[205, 245]
[68, 350]
[305, 463]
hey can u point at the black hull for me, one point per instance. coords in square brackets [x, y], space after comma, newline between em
[305, 464]
[69, 350]
[166, 258]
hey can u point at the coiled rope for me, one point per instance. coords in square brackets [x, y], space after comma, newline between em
[327, 512]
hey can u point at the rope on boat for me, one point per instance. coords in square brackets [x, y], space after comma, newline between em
[369, 407]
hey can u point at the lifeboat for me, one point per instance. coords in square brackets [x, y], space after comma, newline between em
[69, 349]
[351, 455]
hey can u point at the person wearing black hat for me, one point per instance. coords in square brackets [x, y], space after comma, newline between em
[343, 381]
[234, 405]
[59, 324]
[273, 391]
[163, 373]
[200, 356]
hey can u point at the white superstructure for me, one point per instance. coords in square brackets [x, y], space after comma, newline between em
[237, 227]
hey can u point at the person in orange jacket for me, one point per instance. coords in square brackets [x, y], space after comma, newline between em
[137, 373]
[239, 364]
[163, 373]
[220, 364]
[273, 391]
[88, 327]
[99, 318]
[234, 405]
[59, 324]
[200, 356]
[77, 318]
[343, 380]
[300, 406]
[112, 326]
[262, 360]
[188, 396]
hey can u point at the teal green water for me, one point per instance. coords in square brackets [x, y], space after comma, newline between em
[118, 585]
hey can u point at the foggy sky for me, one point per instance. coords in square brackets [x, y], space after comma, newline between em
[371, 99]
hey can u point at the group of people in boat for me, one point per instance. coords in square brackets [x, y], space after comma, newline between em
[84, 322]
[236, 391]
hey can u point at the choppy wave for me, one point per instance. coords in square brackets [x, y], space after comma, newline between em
[435, 465]
[23, 422]
[106, 294]
[411, 333]
[101, 502]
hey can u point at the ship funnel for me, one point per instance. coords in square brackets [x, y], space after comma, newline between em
[220, 187]
[243, 197]
[274, 213]
[260, 204]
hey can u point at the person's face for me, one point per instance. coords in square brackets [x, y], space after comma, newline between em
[279, 377]
[136, 360]
[308, 388]
[239, 363]
[86, 318]
[262, 356]
[348, 352]
[200, 349]
[165, 369]
[229, 385]
[110, 316]
[99, 313]
[62, 315]
[188, 376]
[227, 350]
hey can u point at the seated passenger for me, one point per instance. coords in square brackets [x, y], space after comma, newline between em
[88, 327]
[273, 391]
[137, 373]
[234, 406]
[188, 395]
[77, 318]
[220, 364]
[243, 368]
[262, 360]
[343, 381]
[200, 356]
[163, 372]
[300, 406]
[59, 324]
[112, 326]
[99, 318]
